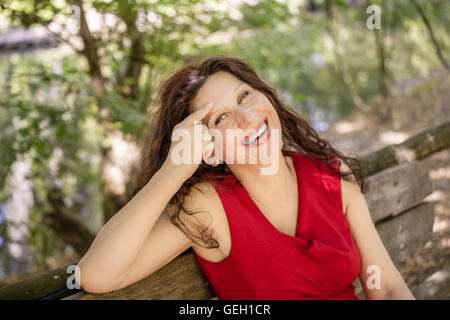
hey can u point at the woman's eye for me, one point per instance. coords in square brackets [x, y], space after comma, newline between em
[219, 118]
[244, 94]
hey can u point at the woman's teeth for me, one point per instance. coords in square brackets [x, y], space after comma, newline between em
[257, 134]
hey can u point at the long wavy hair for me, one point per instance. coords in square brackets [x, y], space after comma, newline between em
[172, 106]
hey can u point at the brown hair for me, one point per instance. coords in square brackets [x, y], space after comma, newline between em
[173, 101]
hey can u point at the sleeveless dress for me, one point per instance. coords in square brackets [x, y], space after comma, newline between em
[320, 262]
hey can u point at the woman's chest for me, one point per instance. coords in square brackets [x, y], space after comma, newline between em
[279, 217]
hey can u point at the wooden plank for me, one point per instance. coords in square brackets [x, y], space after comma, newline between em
[406, 232]
[417, 147]
[181, 279]
[397, 189]
[51, 283]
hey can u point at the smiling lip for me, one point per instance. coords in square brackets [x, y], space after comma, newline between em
[259, 126]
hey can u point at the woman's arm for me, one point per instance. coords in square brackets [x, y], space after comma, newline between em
[119, 241]
[127, 248]
[371, 249]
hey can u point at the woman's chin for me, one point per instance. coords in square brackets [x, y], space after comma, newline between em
[247, 156]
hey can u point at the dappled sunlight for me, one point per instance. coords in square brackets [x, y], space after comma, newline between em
[442, 212]
[15, 250]
[441, 173]
[124, 155]
[348, 127]
[392, 137]
[403, 154]
[441, 225]
[18, 216]
[445, 243]
[435, 196]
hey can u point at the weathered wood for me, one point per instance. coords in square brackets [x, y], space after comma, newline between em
[416, 147]
[181, 279]
[48, 284]
[405, 233]
[397, 189]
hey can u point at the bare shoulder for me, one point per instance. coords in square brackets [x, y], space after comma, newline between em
[349, 189]
[198, 201]
[350, 192]
[204, 200]
[201, 196]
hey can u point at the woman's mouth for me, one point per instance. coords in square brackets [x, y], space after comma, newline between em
[259, 137]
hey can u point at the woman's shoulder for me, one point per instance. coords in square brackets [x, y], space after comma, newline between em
[201, 195]
[205, 201]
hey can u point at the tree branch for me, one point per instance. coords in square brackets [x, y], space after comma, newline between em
[437, 47]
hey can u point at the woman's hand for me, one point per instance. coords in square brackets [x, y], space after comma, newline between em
[196, 144]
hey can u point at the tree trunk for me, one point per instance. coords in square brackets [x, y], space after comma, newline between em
[341, 67]
[112, 202]
[67, 224]
[383, 84]
[436, 45]
[129, 82]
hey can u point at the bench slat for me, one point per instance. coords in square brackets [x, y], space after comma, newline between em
[397, 189]
[181, 279]
[404, 233]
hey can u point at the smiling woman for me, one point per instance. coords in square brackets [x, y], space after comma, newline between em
[283, 235]
[241, 100]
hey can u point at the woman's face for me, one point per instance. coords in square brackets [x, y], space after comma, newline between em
[244, 117]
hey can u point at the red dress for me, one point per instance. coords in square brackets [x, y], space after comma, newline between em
[320, 262]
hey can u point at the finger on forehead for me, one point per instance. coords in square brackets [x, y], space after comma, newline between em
[202, 112]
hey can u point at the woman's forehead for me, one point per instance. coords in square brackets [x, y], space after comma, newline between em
[216, 87]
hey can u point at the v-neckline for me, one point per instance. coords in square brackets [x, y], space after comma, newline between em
[260, 213]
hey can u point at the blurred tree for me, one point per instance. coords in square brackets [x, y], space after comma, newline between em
[431, 33]
[128, 46]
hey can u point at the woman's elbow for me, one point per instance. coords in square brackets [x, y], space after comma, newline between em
[91, 282]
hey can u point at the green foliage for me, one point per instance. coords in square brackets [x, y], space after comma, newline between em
[47, 103]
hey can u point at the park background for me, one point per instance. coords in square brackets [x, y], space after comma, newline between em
[78, 80]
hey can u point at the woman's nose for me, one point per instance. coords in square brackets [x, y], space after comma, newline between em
[244, 117]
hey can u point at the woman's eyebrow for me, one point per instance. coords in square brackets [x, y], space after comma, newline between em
[238, 85]
[207, 118]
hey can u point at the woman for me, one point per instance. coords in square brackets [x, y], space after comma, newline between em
[302, 231]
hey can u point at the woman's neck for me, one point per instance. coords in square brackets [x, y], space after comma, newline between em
[259, 186]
